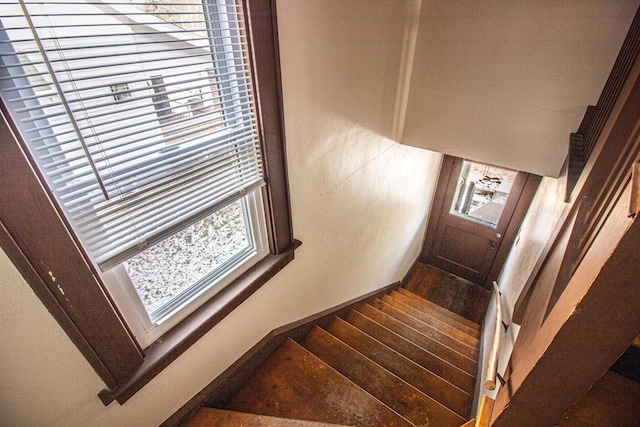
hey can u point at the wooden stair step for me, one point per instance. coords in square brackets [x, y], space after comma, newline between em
[211, 417]
[401, 304]
[463, 362]
[426, 329]
[426, 304]
[441, 391]
[393, 391]
[414, 301]
[293, 383]
[422, 357]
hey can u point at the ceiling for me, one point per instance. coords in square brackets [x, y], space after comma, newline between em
[506, 81]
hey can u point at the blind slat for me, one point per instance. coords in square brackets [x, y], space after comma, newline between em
[161, 103]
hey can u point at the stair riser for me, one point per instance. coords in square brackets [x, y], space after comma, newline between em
[461, 361]
[394, 392]
[411, 302]
[427, 330]
[293, 383]
[463, 337]
[430, 384]
[427, 360]
[443, 312]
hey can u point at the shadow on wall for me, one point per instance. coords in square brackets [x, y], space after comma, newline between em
[354, 61]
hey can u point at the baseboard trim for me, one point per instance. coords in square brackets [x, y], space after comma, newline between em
[221, 389]
[413, 267]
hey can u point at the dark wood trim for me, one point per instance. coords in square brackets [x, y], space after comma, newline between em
[49, 300]
[262, 35]
[614, 85]
[407, 276]
[566, 360]
[227, 384]
[540, 298]
[576, 164]
[175, 342]
[37, 238]
[522, 207]
[522, 303]
[446, 168]
[569, 257]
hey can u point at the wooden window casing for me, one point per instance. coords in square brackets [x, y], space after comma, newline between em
[37, 238]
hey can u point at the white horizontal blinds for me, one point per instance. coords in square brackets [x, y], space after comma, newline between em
[139, 113]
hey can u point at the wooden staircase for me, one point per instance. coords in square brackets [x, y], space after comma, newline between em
[400, 360]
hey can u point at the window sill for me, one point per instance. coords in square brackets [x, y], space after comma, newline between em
[164, 351]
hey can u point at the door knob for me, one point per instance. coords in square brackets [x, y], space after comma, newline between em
[498, 235]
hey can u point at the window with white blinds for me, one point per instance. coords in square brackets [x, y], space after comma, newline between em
[139, 114]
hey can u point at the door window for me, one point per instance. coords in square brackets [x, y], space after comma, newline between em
[482, 192]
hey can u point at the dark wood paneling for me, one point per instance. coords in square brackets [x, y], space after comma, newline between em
[614, 85]
[523, 301]
[612, 401]
[580, 340]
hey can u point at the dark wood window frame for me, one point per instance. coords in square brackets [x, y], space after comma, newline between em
[37, 239]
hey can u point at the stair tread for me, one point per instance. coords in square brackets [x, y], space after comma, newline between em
[212, 417]
[425, 303]
[424, 380]
[427, 343]
[422, 357]
[393, 391]
[414, 301]
[426, 329]
[400, 303]
[292, 376]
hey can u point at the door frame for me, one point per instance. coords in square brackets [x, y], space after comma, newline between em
[438, 209]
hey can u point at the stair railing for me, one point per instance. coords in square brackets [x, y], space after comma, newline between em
[492, 367]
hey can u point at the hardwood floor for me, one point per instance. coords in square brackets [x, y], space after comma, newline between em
[449, 291]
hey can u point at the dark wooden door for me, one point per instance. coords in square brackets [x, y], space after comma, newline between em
[477, 210]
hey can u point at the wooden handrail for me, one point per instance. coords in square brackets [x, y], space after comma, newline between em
[492, 367]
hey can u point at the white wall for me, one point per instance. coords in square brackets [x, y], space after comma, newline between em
[506, 81]
[535, 231]
[359, 200]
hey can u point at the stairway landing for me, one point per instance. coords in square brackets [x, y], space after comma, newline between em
[449, 291]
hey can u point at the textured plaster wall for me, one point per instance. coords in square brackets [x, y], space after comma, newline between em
[535, 232]
[506, 81]
[359, 199]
